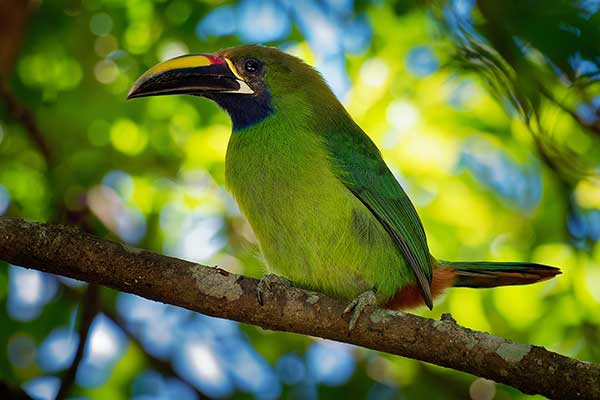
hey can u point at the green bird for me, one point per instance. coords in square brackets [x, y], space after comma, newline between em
[327, 211]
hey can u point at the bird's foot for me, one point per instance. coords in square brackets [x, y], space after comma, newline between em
[266, 285]
[358, 305]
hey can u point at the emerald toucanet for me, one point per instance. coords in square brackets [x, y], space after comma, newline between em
[327, 211]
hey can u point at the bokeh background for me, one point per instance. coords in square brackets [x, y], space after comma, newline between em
[488, 113]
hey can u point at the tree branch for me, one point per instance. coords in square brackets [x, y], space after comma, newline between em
[88, 313]
[26, 118]
[14, 15]
[162, 366]
[71, 252]
[12, 392]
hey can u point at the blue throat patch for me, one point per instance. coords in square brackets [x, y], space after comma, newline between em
[244, 110]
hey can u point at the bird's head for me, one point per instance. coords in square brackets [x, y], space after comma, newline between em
[249, 82]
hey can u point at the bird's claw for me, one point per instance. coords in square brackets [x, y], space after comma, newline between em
[358, 305]
[265, 284]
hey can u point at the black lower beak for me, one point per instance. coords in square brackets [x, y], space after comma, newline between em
[170, 78]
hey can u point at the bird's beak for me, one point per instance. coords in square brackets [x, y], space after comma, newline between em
[196, 74]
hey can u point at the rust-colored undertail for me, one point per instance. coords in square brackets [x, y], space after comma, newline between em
[473, 275]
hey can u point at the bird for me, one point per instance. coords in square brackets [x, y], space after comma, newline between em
[327, 211]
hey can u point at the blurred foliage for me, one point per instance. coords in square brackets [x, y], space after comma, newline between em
[547, 72]
[488, 113]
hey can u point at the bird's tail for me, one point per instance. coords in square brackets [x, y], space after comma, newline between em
[476, 274]
[481, 274]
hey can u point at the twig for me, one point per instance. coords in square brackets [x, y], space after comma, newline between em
[164, 367]
[14, 17]
[26, 118]
[23, 115]
[593, 127]
[71, 252]
[89, 311]
[12, 392]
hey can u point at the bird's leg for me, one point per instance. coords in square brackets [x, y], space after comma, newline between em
[266, 284]
[357, 306]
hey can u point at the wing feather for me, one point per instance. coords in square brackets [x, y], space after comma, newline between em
[360, 167]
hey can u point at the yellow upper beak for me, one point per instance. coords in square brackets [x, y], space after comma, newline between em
[195, 74]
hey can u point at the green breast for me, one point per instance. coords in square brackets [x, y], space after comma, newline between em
[311, 228]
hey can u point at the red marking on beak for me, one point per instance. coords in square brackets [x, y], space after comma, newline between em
[215, 59]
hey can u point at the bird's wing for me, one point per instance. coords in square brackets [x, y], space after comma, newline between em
[358, 164]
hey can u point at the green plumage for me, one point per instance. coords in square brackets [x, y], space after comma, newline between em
[482, 274]
[311, 227]
[358, 164]
[327, 211]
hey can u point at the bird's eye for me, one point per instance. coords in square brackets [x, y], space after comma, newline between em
[251, 66]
